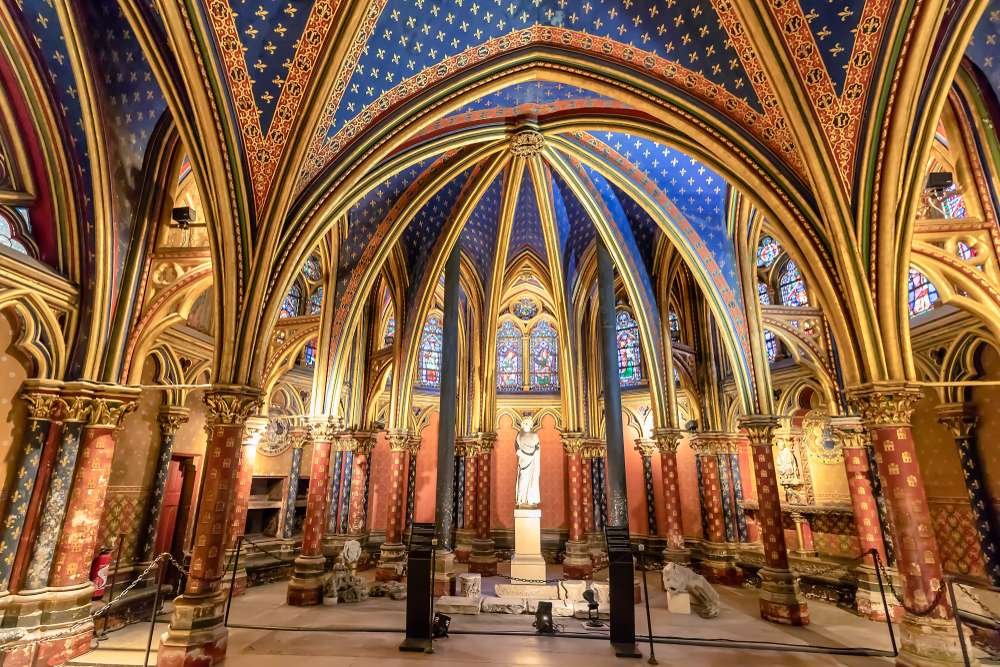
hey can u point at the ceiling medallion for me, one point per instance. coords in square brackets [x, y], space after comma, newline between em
[527, 143]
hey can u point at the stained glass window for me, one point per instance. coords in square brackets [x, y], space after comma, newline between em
[510, 374]
[390, 331]
[675, 326]
[767, 252]
[953, 205]
[922, 295]
[770, 345]
[525, 308]
[311, 269]
[429, 361]
[629, 355]
[964, 250]
[544, 347]
[309, 354]
[292, 305]
[8, 236]
[316, 301]
[764, 294]
[791, 286]
[677, 377]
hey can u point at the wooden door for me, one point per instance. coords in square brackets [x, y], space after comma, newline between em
[171, 504]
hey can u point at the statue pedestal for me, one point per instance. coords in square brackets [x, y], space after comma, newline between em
[527, 563]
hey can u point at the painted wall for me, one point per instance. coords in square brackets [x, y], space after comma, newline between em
[14, 370]
[687, 475]
[379, 484]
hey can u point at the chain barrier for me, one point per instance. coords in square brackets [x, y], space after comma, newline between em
[267, 552]
[989, 613]
[926, 611]
[540, 582]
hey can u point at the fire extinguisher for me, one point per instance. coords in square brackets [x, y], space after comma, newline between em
[99, 570]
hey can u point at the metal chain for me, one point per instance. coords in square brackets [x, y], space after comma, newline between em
[179, 567]
[131, 585]
[267, 552]
[899, 598]
[975, 598]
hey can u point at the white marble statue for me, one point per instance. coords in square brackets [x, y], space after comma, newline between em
[787, 465]
[529, 465]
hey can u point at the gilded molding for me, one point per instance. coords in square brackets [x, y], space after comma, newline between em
[759, 429]
[668, 439]
[572, 442]
[849, 432]
[41, 405]
[885, 405]
[170, 420]
[527, 143]
[399, 440]
[231, 406]
[959, 418]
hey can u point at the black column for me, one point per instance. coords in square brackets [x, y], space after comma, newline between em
[620, 567]
[449, 402]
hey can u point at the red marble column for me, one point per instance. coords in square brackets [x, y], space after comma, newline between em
[927, 633]
[196, 636]
[484, 556]
[357, 515]
[253, 430]
[392, 556]
[780, 599]
[667, 441]
[468, 450]
[577, 564]
[587, 490]
[305, 588]
[719, 564]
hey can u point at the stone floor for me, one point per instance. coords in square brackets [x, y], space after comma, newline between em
[738, 621]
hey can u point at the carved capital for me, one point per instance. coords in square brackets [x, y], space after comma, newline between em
[527, 143]
[572, 442]
[594, 448]
[959, 418]
[41, 405]
[399, 440]
[299, 436]
[849, 432]
[107, 409]
[364, 442]
[413, 444]
[253, 429]
[74, 408]
[323, 429]
[646, 447]
[170, 419]
[485, 442]
[668, 439]
[759, 429]
[709, 443]
[885, 404]
[231, 405]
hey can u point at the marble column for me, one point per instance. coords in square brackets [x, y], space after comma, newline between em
[300, 438]
[467, 454]
[169, 420]
[413, 450]
[780, 598]
[593, 453]
[927, 632]
[853, 440]
[667, 441]
[719, 564]
[392, 555]
[305, 588]
[252, 432]
[196, 635]
[646, 448]
[363, 442]
[577, 564]
[484, 556]
[961, 421]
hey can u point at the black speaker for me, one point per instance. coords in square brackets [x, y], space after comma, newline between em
[621, 580]
[418, 589]
[940, 180]
[183, 216]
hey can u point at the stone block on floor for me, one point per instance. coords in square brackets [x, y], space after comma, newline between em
[524, 591]
[602, 590]
[572, 590]
[678, 603]
[563, 608]
[493, 605]
[455, 604]
[469, 585]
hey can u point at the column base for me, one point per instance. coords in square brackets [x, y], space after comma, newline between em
[928, 642]
[679, 556]
[719, 565]
[868, 599]
[196, 636]
[484, 558]
[305, 588]
[239, 584]
[464, 538]
[332, 545]
[598, 549]
[577, 564]
[444, 573]
[44, 646]
[780, 599]
[391, 563]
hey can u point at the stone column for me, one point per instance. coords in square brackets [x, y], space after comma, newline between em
[169, 419]
[413, 449]
[961, 421]
[484, 556]
[392, 556]
[306, 585]
[593, 456]
[357, 522]
[577, 564]
[196, 635]
[253, 430]
[467, 451]
[34, 470]
[646, 449]
[780, 598]
[299, 437]
[853, 440]
[804, 545]
[927, 633]
[667, 441]
[742, 531]
[719, 565]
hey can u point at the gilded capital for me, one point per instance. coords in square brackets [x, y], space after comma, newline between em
[323, 429]
[364, 442]
[708, 443]
[668, 439]
[572, 442]
[646, 447]
[527, 143]
[171, 418]
[759, 429]
[485, 442]
[849, 432]
[108, 410]
[885, 404]
[413, 444]
[299, 436]
[231, 405]
[959, 418]
[594, 448]
[399, 440]
[254, 428]
[41, 405]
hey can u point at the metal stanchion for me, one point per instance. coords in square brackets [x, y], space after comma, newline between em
[111, 589]
[430, 626]
[645, 598]
[156, 609]
[958, 619]
[232, 582]
[885, 603]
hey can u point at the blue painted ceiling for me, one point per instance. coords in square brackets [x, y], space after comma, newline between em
[834, 24]
[984, 49]
[526, 232]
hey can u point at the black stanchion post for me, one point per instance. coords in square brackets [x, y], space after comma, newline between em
[111, 589]
[232, 582]
[156, 608]
[645, 597]
[419, 586]
[885, 602]
[958, 620]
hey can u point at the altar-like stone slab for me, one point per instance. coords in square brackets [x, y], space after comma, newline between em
[492, 605]
[527, 565]
[572, 590]
[454, 604]
[526, 591]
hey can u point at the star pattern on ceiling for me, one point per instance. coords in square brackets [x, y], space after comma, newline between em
[479, 236]
[984, 48]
